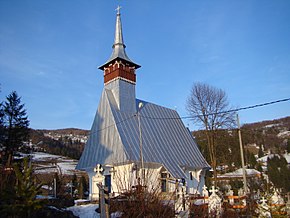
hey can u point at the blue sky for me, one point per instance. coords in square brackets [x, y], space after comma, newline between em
[50, 51]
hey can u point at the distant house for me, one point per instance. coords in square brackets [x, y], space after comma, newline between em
[133, 141]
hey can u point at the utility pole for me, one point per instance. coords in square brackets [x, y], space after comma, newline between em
[242, 155]
[140, 141]
[54, 187]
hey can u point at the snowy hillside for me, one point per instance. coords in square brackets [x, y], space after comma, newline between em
[49, 163]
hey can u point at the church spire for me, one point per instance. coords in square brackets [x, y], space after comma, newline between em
[118, 32]
[119, 52]
[119, 73]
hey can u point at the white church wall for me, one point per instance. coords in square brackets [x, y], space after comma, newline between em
[123, 178]
[152, 179]
[195, 181]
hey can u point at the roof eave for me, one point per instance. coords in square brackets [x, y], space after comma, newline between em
[118, 58]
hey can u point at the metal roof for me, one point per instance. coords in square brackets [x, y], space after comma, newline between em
[115, 138]
[119, 46]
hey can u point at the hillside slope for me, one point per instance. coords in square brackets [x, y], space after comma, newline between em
[66, 142]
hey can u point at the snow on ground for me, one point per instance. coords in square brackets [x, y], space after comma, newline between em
[239, 173]
[265, 158]
[40, 156]
[89, 211]
[284, 134]
[50, 163]
[85, 211]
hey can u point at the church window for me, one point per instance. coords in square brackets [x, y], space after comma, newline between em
[190, 175]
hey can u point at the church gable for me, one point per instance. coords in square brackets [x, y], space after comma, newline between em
[104, 144]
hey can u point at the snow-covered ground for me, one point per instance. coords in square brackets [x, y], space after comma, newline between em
[265, 158]
[284, 134]
[50, 163]
[85, 211]
[89, 211]
[239, 173]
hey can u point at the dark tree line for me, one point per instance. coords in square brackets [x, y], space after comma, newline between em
[228, 150]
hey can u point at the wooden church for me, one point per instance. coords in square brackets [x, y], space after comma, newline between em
[134, 141]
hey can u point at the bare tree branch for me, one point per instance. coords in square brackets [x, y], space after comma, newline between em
[206, 105]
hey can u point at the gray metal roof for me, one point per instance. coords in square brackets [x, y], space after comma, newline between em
[119, 46]
[115, 138]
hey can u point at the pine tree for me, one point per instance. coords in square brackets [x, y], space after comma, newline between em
[260, 152]
[278, 172]
[2, 128]
[82, 187]
[19, 197]
[252, 160]
[288, 146]
[15, 125]
[74, 184]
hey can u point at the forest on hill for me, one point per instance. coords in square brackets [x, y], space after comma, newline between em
[66, 142]
[272, 136]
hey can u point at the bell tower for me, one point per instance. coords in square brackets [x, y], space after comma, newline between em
[119, 72]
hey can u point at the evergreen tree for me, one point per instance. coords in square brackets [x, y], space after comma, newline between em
[83, 187]
[278, 172]
[19, 197]
[2, 129]
[74, 184]
[260, 152]
[288, 146]
[252, 162]
[15, 124]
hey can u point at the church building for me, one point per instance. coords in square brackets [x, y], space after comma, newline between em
[133, 141]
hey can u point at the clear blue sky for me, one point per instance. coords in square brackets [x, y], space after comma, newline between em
[50, 51]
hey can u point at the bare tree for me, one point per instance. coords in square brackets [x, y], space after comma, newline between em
[208, 106]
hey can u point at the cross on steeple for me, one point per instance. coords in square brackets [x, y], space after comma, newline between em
[118, 9]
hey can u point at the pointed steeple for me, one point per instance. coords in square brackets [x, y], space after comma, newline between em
[119, 52]
[119, 73]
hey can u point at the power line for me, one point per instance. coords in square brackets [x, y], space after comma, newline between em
[221, 112]
[191, 117]
[259, 105]
[114, 124]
